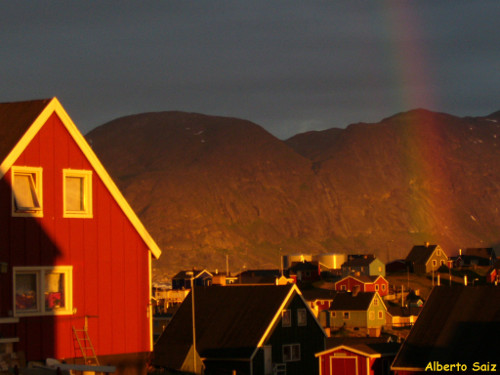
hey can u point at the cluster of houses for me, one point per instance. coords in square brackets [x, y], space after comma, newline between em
[76, 290]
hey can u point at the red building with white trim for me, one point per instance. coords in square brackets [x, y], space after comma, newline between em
[71, 247]
[364, 283]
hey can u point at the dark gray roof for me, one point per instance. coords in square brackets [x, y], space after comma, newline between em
[457, 324]
[420, 254]
[15, 120]
[230, 321]
[316, 294]
[363, 261]
[484, 252]
[351, 301]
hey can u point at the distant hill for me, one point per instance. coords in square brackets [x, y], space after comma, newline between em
[207, 186]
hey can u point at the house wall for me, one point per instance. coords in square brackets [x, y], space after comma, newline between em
[349, 284]
[110, 260]
[310, 337]
[377, 267]
[327, 368]
[438, 258]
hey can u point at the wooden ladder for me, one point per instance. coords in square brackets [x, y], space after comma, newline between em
[85, 344]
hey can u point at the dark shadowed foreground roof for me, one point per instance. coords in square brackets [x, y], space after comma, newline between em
[457, 324]
[15, 119]
[230, 321]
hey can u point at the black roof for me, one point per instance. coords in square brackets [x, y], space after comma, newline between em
[457, 324]
[317, 294]
[230, 322]
[352, 301]
[420, 254]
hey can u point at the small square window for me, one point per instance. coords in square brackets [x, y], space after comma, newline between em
[383, 287]
[381, 315]
[376, 287]
[346, 315]
[27, 191]
[301, 317]
[77, 192]
[286, 318]
[375, 302]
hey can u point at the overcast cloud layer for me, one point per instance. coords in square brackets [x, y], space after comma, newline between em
[290, 66]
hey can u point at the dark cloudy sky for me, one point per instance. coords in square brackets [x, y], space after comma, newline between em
[290, 66]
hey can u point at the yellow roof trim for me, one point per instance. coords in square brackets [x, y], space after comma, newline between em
[349, 348]
[55, 106]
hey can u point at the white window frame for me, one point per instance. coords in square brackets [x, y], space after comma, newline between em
[292, 358]
[284, 323]
[40, 287]
[86, 176]
[35, 174]
[301, 317]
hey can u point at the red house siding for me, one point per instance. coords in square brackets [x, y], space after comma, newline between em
[342, 361]
[350, 282]
[109, 258]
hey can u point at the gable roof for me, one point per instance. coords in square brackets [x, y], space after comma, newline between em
[349, 301]
[19, 124]
[420, 254]
[481, 252]
[197, 273]
[365, 279]
[457, 324]
[231, 322]
[360, 261]
[318, 294]
[370, 350]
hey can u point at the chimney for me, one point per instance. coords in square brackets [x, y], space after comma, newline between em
[465, 280]
[426, 244]
[439, 279]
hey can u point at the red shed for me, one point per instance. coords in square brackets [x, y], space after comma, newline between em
[360, 359]
[72, 249]
[364, 283]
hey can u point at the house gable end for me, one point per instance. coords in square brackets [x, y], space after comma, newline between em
[53, 106]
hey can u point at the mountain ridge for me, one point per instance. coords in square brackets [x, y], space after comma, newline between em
[211, 186]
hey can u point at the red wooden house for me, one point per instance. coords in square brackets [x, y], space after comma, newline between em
[361, 359]
[72, 249]
[364, 284]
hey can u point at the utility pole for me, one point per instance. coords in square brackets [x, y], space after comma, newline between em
[193, 318]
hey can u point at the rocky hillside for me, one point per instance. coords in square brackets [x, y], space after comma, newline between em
[207, 187]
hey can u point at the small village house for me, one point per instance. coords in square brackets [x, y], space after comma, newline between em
[357, 358]
[242, 329]
[484, 256]
[182, 280]
[364, 264]
[74, 254]
[426, 258]
[363, 283]
[358, 310]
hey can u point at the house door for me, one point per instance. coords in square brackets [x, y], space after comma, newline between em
[343, 366]
[268, 360]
